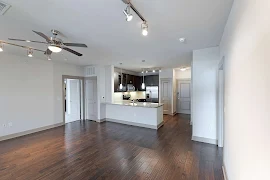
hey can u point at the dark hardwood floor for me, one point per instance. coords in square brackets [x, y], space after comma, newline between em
[89, 150]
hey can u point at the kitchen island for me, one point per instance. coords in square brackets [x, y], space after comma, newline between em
[142, 114]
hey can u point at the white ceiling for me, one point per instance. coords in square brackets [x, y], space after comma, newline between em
[101, 25]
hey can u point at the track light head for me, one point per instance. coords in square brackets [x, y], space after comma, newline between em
[144, 27]
[30, 52]
[129, 16]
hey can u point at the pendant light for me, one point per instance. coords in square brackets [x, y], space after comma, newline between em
[143, 84]
[121, 84]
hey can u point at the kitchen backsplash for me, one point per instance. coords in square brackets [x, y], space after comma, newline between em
[118, 96]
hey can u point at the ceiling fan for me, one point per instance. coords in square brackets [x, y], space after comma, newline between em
[54, 44]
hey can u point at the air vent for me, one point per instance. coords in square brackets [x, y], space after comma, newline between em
[3, 7]
[90, 71]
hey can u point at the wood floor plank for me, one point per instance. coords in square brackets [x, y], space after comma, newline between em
[89, 150]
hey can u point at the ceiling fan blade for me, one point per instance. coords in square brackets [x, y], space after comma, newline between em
[42, 35]
[48, 52]
[22, 40]
[72, 51]
[75, 44]
[25, 47]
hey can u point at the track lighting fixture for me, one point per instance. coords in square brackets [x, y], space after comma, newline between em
[144, 27]
[30, 52]
[1, 47]
[129, 16]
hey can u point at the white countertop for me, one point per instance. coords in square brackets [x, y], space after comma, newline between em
[137, 104]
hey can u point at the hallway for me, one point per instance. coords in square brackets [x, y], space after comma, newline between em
[89, 150]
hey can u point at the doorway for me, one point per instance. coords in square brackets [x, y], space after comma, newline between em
[184, 96]
[166, 95]
[73, 99]
[220, 104]
[91, 98]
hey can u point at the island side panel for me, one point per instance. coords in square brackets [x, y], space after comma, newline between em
[140, 115]
[159, 116]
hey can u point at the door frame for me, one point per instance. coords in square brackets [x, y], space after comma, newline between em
[183, 80]
[171, 93]
[82, 96]
[220, 102]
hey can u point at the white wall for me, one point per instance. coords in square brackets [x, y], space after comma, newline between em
[246, 46]
[31, 92]
[204, 80]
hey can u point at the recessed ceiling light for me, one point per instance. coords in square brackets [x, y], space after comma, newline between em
[183, 68]
[182, 40]
[28, 41]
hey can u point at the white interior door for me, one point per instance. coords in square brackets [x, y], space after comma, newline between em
[91, 99]
[165, 92]
[184, 97]
[73, 112]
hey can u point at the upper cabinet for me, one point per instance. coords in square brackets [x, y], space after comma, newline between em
[136, 81]
[152, 80]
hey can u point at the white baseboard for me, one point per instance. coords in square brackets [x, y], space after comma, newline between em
[160, 124]
[100, 120]
[205, 140]
[224, 172]
[11, 136]
[134, 123]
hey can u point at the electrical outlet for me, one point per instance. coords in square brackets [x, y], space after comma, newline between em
[4, 125]
[10, 124]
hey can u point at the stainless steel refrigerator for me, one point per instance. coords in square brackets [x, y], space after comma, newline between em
[152, 94]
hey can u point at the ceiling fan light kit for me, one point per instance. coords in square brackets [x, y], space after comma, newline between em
[30, 52]
[54, 48]
[1, 47]
[144, 25]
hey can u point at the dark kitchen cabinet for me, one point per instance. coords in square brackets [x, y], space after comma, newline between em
[152, 80]
[138, 83]
[130, 79]
[116, 81]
